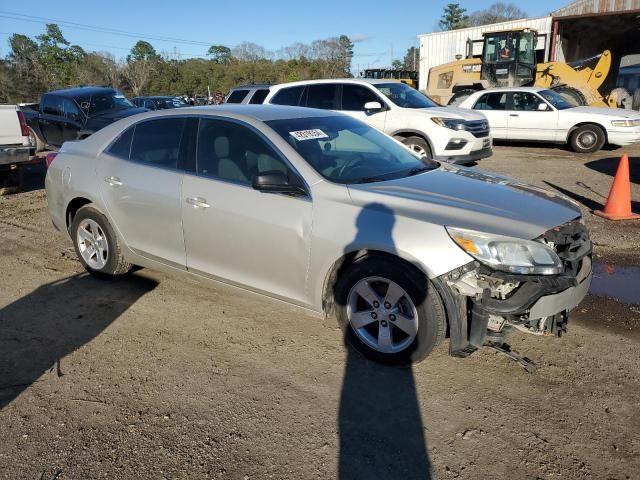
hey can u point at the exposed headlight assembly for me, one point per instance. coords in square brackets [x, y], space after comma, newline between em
[452, 123]
[626, 123]
[508, 254]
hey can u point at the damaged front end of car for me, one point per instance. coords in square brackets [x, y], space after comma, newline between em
[515, 285]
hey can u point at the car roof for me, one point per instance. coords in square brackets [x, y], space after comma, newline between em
[260, 112]
[512, 89]
[370, 81]
[156, 96]
[253, 85]
[77, 91]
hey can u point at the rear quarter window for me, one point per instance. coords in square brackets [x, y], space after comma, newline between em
[237, 96]
[259, 96]
[121, 147]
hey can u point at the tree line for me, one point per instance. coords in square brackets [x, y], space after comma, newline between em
[455, 17]
[49, 61]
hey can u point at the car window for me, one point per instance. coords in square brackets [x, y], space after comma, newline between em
[259, 96]
[288, 96]
[233, 152]
[71, 110]
[344, 150]
[492, 101]
[237, 96]
[52, 105]
[355, 96]
[525, 101]
[322, 96]
[404, 96]
[121, 148]
[157, 142]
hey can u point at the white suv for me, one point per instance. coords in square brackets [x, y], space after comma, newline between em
[444, 133]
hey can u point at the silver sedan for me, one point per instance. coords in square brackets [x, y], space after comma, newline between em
[326, 213]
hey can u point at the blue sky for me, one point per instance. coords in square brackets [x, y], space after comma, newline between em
[379, 28]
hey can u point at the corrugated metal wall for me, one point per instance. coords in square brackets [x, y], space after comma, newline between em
[442, 47]
[586, 7]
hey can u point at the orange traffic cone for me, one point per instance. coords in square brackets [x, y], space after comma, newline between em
[618, 206]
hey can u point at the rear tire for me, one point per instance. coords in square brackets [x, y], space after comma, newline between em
[636, 99]
[96, 244]
[623, 98]
[419, 145]
[587, 139]
[572, 94]
[36, 141]
[414, 321]
[460, 96]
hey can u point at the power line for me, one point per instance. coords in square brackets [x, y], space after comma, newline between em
[97, 29]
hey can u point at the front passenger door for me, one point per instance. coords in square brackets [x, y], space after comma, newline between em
[353, 99]
[527, 122]
[237, 234]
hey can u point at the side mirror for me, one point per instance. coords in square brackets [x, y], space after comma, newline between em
[275, 182]
[372, 107]
[543, 107]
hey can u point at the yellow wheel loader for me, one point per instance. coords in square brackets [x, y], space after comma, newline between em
[509, 60]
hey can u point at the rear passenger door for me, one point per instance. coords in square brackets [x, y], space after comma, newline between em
[494, 107]
[72, 120]
[234, 233]
[141, 177]
[353, 99]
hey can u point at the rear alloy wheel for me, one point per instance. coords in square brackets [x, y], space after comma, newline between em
[418, 145]
[587, 139]
[389, 312]
[96, 244]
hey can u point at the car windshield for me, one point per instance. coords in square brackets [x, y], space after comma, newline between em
[105, 102]
[344, 150]
[557, 100]
[404, 96]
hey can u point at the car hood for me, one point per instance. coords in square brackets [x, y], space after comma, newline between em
[609, 112]
[102, 120]
[468, 198]
[448, 112]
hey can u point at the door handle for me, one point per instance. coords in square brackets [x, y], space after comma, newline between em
[113, 181]
[514, 115]
[197, 202]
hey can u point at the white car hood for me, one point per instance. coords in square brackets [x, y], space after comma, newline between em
[609, 112]
[448, 112]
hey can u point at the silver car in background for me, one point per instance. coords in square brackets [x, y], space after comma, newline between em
[324, 212]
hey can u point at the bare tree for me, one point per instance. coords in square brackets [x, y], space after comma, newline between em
[498, 12]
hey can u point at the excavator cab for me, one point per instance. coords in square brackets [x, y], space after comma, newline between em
[509, 58]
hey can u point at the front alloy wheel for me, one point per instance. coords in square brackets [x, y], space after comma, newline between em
[389, 310]
[382, 314]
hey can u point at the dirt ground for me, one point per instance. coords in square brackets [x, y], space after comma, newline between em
[155, 376]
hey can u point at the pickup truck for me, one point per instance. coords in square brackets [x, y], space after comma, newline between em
[16, 148]
[75, 113]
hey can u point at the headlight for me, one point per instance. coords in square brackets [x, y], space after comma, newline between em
[507, 253]
[626, 123]
[452, 123]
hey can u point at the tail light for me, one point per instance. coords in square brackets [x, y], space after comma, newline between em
[50, 157]
[23, 124]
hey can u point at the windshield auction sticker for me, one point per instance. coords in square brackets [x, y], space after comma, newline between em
[313, 134]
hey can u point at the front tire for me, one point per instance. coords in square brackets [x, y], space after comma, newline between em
[389, 311]
[587, 139]
[96, 244]
[418, 145]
